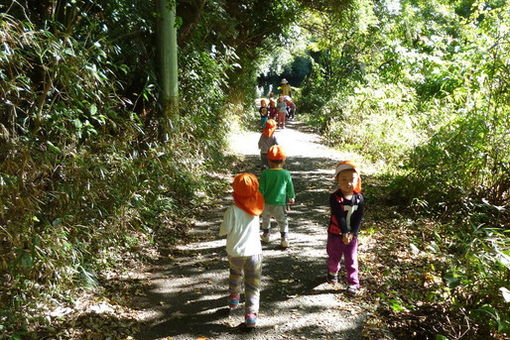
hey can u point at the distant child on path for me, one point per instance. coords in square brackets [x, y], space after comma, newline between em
[267, 139]
[281, 108]
[347, 205]
[291, 108]
[241, 226]
[264, 113]
[278, 190]
[273, 112]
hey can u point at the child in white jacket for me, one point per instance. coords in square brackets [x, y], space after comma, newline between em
[241, 226]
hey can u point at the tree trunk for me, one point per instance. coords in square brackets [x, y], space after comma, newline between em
[168, 65]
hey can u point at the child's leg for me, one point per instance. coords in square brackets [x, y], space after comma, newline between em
[266, 219]
[235, 278]
[350, 252]
[252, 273]
[263, 160]
[263, 121]
[333, 249]
[281, 118]
[281, 218]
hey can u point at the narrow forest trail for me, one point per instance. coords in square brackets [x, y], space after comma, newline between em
[187, 294]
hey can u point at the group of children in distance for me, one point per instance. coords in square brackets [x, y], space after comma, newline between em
[280, 109]
[269, 198]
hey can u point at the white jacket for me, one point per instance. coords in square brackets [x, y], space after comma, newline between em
[242, 231]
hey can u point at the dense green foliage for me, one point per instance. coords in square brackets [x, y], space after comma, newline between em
[82, 177]
[440, 87]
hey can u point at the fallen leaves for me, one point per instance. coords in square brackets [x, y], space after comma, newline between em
[430, 280]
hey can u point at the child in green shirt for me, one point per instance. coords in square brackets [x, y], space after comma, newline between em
[278, 191]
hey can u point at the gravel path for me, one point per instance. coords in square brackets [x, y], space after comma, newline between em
[187, 298]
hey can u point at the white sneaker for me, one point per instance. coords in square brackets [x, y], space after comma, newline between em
[353, 290]
[265, 238]
[284, 243]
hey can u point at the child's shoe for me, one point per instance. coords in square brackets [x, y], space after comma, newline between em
[332, 278]
[353, 290]
[233, 300]
[284, 243]
[250, 320]
[265, 238]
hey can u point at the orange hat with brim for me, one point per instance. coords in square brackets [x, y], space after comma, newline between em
[269, 127]
[247, 195]
[276, 153]
[349, 165]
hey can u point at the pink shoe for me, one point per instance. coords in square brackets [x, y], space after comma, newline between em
[233, 300]
[250, 320]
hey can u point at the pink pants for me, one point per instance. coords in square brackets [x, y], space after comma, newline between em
[281, 119]
[336, 249]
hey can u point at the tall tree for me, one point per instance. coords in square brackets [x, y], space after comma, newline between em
[168, 62]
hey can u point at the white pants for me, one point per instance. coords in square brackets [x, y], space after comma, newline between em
[279, 214]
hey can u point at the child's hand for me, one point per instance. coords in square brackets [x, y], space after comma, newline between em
[347, 238]
[291, 201]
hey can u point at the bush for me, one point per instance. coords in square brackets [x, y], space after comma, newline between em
[84, 184]
[375, 120]
[467, 158]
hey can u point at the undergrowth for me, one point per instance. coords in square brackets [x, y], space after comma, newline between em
[435, 274]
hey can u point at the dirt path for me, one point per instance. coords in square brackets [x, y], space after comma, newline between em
[187, 299]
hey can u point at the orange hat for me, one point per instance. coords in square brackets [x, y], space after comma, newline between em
[269, 128]
[247, 195]
[276, 153]
[349, 165]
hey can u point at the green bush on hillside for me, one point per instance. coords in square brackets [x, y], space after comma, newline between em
[376, 121]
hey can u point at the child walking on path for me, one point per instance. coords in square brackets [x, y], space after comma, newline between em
[273, 112]
[264, 113]
[278, 190]
[291, 108]
[347, 205]
[267, 139]
[281, 108]
[241, 226]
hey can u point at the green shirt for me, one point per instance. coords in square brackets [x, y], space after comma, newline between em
[276, 186]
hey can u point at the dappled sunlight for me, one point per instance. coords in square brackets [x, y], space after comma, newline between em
[205, 245]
